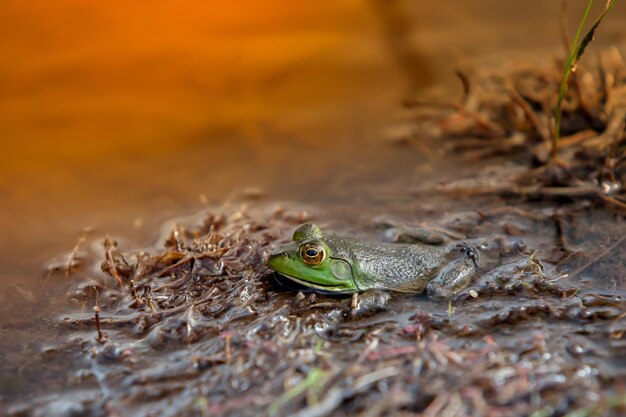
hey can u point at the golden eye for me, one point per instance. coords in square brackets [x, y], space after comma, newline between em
[312, 253]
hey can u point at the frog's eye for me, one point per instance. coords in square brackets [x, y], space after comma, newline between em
[312, 253]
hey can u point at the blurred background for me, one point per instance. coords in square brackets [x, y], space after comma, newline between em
[120, 114]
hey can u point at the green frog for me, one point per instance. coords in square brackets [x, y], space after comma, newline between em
[346, 265]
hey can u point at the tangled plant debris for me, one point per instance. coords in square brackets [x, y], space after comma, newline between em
[510, 114]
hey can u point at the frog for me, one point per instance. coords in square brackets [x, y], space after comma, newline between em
[336, 264]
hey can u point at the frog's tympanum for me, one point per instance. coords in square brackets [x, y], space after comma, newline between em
[345, 265]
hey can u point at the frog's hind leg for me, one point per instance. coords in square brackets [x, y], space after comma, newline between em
[454, 277]
[425, 235]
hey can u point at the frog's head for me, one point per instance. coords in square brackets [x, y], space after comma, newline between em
[308, 260]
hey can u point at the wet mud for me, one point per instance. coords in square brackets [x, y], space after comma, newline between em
[198, 325]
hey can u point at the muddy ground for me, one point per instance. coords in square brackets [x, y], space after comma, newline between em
[197, 324]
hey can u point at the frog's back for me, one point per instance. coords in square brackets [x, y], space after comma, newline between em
[391, 266]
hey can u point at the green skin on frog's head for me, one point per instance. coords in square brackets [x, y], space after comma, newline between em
[308, 260]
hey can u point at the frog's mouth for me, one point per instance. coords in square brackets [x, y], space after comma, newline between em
[329, 287]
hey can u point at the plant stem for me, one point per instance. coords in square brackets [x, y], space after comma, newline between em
[564, 79]
[575, 52]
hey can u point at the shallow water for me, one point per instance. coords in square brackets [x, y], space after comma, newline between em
[118, 126]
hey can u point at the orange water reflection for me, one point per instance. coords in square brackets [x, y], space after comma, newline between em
[90, 75]
[114, 111]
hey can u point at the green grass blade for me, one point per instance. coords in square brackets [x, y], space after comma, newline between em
[576, 51]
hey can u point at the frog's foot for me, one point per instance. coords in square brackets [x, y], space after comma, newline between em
[424, 235]
[368, 302]
[457, 275]
[470, 252]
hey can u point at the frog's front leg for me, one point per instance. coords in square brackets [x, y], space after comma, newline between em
[455, 276]
[368, 302]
